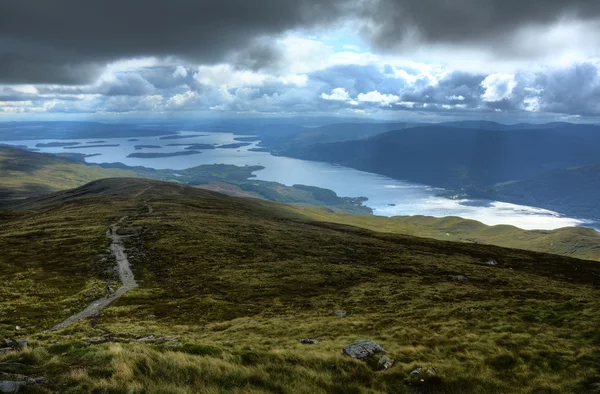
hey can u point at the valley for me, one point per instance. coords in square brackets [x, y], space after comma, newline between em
[385, 196]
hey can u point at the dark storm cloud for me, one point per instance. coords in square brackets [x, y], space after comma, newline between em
[70, 41]
[66, 41]
[466, 22]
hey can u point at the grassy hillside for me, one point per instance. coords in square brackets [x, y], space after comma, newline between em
[239, 281]
[577, 242]
[28, 174]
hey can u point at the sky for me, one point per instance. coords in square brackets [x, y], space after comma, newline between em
[511, 60]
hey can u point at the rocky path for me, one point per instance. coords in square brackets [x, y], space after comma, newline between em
[125, 275]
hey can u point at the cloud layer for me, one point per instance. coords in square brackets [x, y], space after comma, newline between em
[385, 58]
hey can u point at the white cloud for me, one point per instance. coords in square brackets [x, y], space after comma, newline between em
[180, 99]
[337, 94]
[498, 87]
[151, 103]
[180, 72]
[125, 65]
[300, 55]
[227, 75]
[25, 89]
[378, 98]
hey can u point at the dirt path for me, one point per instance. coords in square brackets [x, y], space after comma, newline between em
[125, 275]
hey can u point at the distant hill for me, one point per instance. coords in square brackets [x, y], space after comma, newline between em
[462, 157]
[488, 125]
[576, 190]
[28, 174]
[580, 242]
[228, 287]
[11, 131]
[280, 140]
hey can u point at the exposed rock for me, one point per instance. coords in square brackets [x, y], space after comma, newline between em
[385, 363]
[431, 372]
[129, 231]
[340, 313]
[363, 350]
[152, 338]
[416, 371]
[12, 344]
[475, 309]
[13, 386]
[149, 338]
[10, 386]
[459, 278]
[97, 340]
[306, 341]
[491, 262]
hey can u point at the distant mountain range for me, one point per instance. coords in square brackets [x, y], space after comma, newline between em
[478, 158]
[574, 190]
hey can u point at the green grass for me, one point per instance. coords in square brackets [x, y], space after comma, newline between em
[240, 281]
[29, 174]
[580, 242]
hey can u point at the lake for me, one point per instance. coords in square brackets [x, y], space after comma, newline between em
[387, 197]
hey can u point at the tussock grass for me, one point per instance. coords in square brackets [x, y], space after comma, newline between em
[579, 242]
[240, 281]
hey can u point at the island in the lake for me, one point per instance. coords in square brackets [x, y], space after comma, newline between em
[180, 137]
[132, 139]
[138, 147]
[149, 155]
[91, 146]
[76, 157]
[234, 146]
[247, 139]
[15, 146]
[56, 144]
[200, 146]
[95, 142]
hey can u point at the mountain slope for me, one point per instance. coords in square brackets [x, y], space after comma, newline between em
[239, 281]
[277, 141]
[26, 174]
[580, 242]
[574, 189]
[28, 130]
[462, 157]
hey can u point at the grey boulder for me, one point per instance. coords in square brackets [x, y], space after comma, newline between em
[307, 341]
[363, 350]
